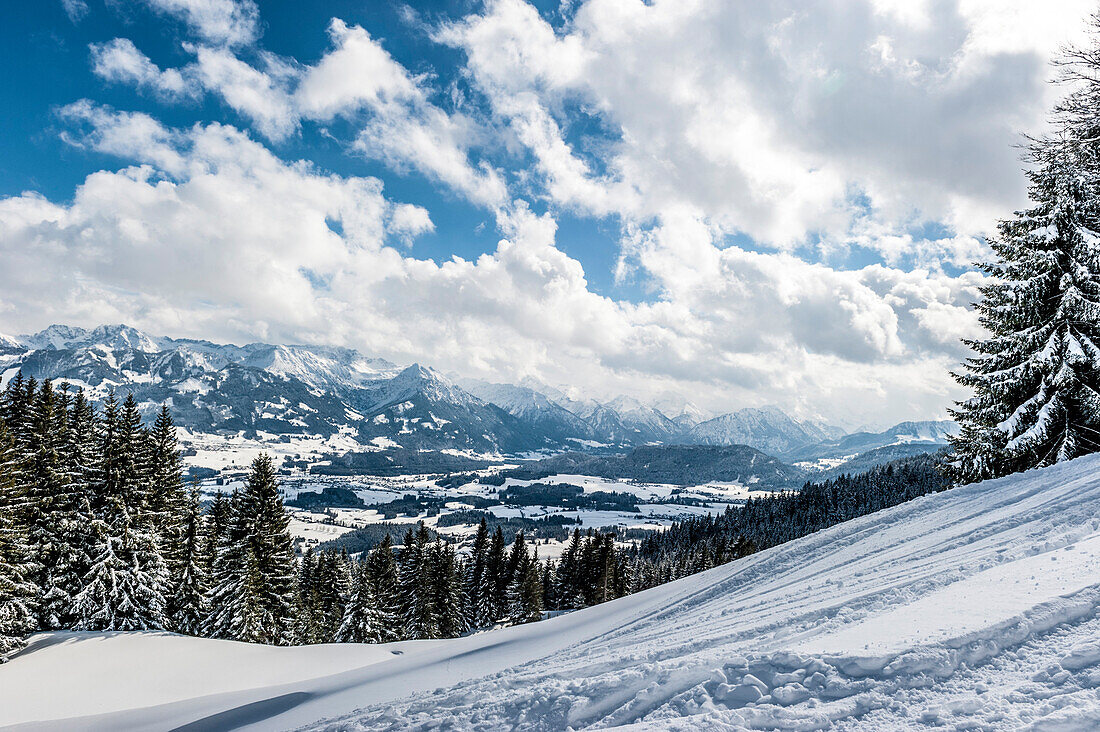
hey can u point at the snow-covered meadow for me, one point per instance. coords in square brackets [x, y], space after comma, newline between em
[973, 608]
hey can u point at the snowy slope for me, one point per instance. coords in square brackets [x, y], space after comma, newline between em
[974, 607]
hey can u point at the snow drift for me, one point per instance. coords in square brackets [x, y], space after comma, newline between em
[974, 607]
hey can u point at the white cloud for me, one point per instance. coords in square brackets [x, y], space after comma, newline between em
[400, 126]
[224, 22]
[127, 135]
[210, 234]
[259, 96]
[120, 61]
[75, 9]
[357, 78]
[773, 119]
[357, 73]
[861, 124]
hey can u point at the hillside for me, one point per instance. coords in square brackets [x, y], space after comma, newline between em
[675, 464]
[871, 624]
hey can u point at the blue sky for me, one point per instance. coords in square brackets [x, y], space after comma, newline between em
[731, 204]
[48, 55]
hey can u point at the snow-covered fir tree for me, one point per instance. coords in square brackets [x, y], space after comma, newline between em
[1036, 378]
[494, 596]
[569, 590]
[124, 589]
[270, 541]
[382, 574]
[362, 621]
[476, 609]
[225, 601]
[445, 573]
[306, 623]
[57, 531]
[187, 576]
[253, 590]
[167, 498]
[17, 592]
[528, 603]
[418, 607]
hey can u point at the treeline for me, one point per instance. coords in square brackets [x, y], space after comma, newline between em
[440, 593]
[425, 589]
[703, 542]
[98, 531]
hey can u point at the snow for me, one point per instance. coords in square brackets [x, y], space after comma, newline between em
[315, 531]
[103, 673]
[973, 608]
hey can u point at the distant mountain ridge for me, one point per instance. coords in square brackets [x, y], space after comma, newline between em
[767, 429]
[327, 390]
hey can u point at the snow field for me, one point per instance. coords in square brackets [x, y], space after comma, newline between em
[889, 621]
[973, 608]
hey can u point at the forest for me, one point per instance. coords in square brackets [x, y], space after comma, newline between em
[98, 531]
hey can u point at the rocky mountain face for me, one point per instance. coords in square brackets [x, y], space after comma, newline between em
[323, 390]
[767, 429]
[907, 438]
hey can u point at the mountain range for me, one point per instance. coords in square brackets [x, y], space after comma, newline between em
[322, 390]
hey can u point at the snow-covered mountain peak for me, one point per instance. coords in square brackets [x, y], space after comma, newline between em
[417, 379]
[765, 428]
[55, 337]
[111, 337]
[319, 366]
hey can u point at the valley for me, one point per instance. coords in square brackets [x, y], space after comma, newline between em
[358, 432]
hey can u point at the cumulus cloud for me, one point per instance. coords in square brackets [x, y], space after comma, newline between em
[207, 233]
[399, 123]
[120, 61]
[742, 150]
[778, 120]
[223, 22]
[259, 95]
[357, 73]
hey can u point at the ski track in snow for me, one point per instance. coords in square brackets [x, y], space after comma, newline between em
[974, 608]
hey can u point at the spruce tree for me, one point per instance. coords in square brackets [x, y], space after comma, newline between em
[568, 591]
[253, 592]
[495, 595]
[448, 593]
[421, 621]
[306, 622]
[17, 592]
[55, 528]
[361, 622]
[215, 526]
[168, 500]
[15, 409]
[382, 574]
[331, 589]
[270, 541]
[187, 579]
[1036, 378]
[528, 594]
[226, 600]
[476, 614]
[81, 461]
[124, 588]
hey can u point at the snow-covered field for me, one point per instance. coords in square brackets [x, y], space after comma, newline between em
[322, 524]
[974, 608]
